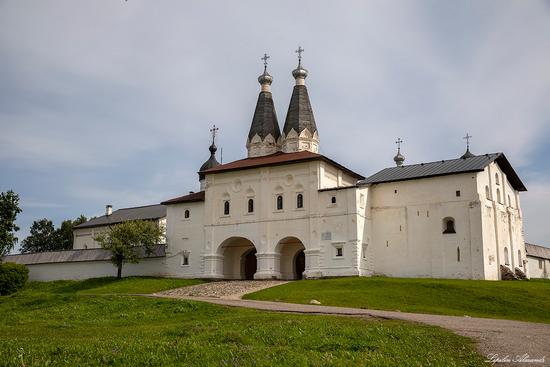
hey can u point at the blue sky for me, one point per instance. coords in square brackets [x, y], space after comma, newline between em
[111, 101]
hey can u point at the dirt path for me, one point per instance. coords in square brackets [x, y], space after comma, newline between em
[506, 340]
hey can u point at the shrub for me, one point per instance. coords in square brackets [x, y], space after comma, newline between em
[12, 277]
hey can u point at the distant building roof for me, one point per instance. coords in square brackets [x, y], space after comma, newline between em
[537, 251]
[446, 167]
[190, 198]
[156, 211]
[95, 254]
[277, 159]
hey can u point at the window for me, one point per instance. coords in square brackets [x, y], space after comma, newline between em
[364, 253]
[506, 257]
[339, 252]
[299, 201]
[498, 196]
[449, 225]
[496, 179]
[186, 214]
[458, 254]
[540, 263]
[520, 263]
[279, 202]
[333, 200]
[457, 193]
[509, 201]
[395, 191]
[184, 259]
[487, 193]
[251, 205]
[226, 207]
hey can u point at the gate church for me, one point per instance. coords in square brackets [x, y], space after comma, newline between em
[288, 212]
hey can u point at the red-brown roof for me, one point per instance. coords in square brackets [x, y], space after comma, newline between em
[276, 159]
[190, 198]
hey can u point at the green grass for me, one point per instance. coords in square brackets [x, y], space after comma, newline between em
[515, 300]
[110, 285]
[57, 324]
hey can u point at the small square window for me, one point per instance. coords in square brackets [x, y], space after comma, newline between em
[457, 193]
[339, 252]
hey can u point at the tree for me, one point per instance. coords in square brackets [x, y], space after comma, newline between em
[9, 208]
[128, 241]
[43, 237]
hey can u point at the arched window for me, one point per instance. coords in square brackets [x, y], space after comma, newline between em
[251, 205]
[186, 214]
[458, 254]
[506, 256]
[519, 259]
[498, 196]
[487, 193]
[449, 225]
[299, 201]
[226, 207]
[279, 202]
[497, 181]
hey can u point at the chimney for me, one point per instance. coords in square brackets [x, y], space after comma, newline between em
[108, 209]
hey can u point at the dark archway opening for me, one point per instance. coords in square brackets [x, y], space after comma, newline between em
[250, 264]
[300, 264]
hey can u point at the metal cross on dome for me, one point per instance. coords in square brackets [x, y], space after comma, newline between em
[214, 130]
[266, 56]
[398, 142]
[299, 52]
[467, 138]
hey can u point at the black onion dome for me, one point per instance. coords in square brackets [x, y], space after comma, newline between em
[210, 163]
[467, 154]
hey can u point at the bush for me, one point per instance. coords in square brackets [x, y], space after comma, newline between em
[12, 277]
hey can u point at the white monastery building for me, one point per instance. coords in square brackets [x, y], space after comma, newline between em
[288, 212]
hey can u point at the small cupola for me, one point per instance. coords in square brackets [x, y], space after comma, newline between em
[467, 154]
[212, 161]
[399, 158]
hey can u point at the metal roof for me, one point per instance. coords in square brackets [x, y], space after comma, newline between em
[156, 211]
[537, 251]
[446, 167]
[190, 198]
[264, 121]
[95, 254]
[300, 114]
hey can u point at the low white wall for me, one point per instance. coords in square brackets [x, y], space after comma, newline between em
[93, 269]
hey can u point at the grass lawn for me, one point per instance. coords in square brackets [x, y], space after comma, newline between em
[516, 300]
[74, 323]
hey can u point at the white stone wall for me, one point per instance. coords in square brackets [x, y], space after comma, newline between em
[538, 268]
[93, 269]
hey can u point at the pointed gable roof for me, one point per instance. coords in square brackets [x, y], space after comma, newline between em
[264, 121]
[300, 114]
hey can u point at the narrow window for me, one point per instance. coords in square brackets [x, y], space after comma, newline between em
[448, 225]
[498, 196]
[395, 191]
[279, 202]
[226, 207]
[487, 193]
[458, 254]
[506, 257]
[509, 201]
[333, 200]
[497, 182]
[251, 205]
[186, 214]
[339, 252]
[540, 264]
[519, 259]
[299, 201]
[364, 251]
[427, 213]
[185, 259]
[457, 193]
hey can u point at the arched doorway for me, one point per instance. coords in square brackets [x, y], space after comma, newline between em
[300, 264]
[292, 258]
[239, 258]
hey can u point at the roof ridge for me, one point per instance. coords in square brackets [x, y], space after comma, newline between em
[447, 160]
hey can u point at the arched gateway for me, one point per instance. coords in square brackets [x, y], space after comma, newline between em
[239, 258]
[292, 258]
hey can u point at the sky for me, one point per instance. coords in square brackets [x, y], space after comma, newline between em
[111, 101]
